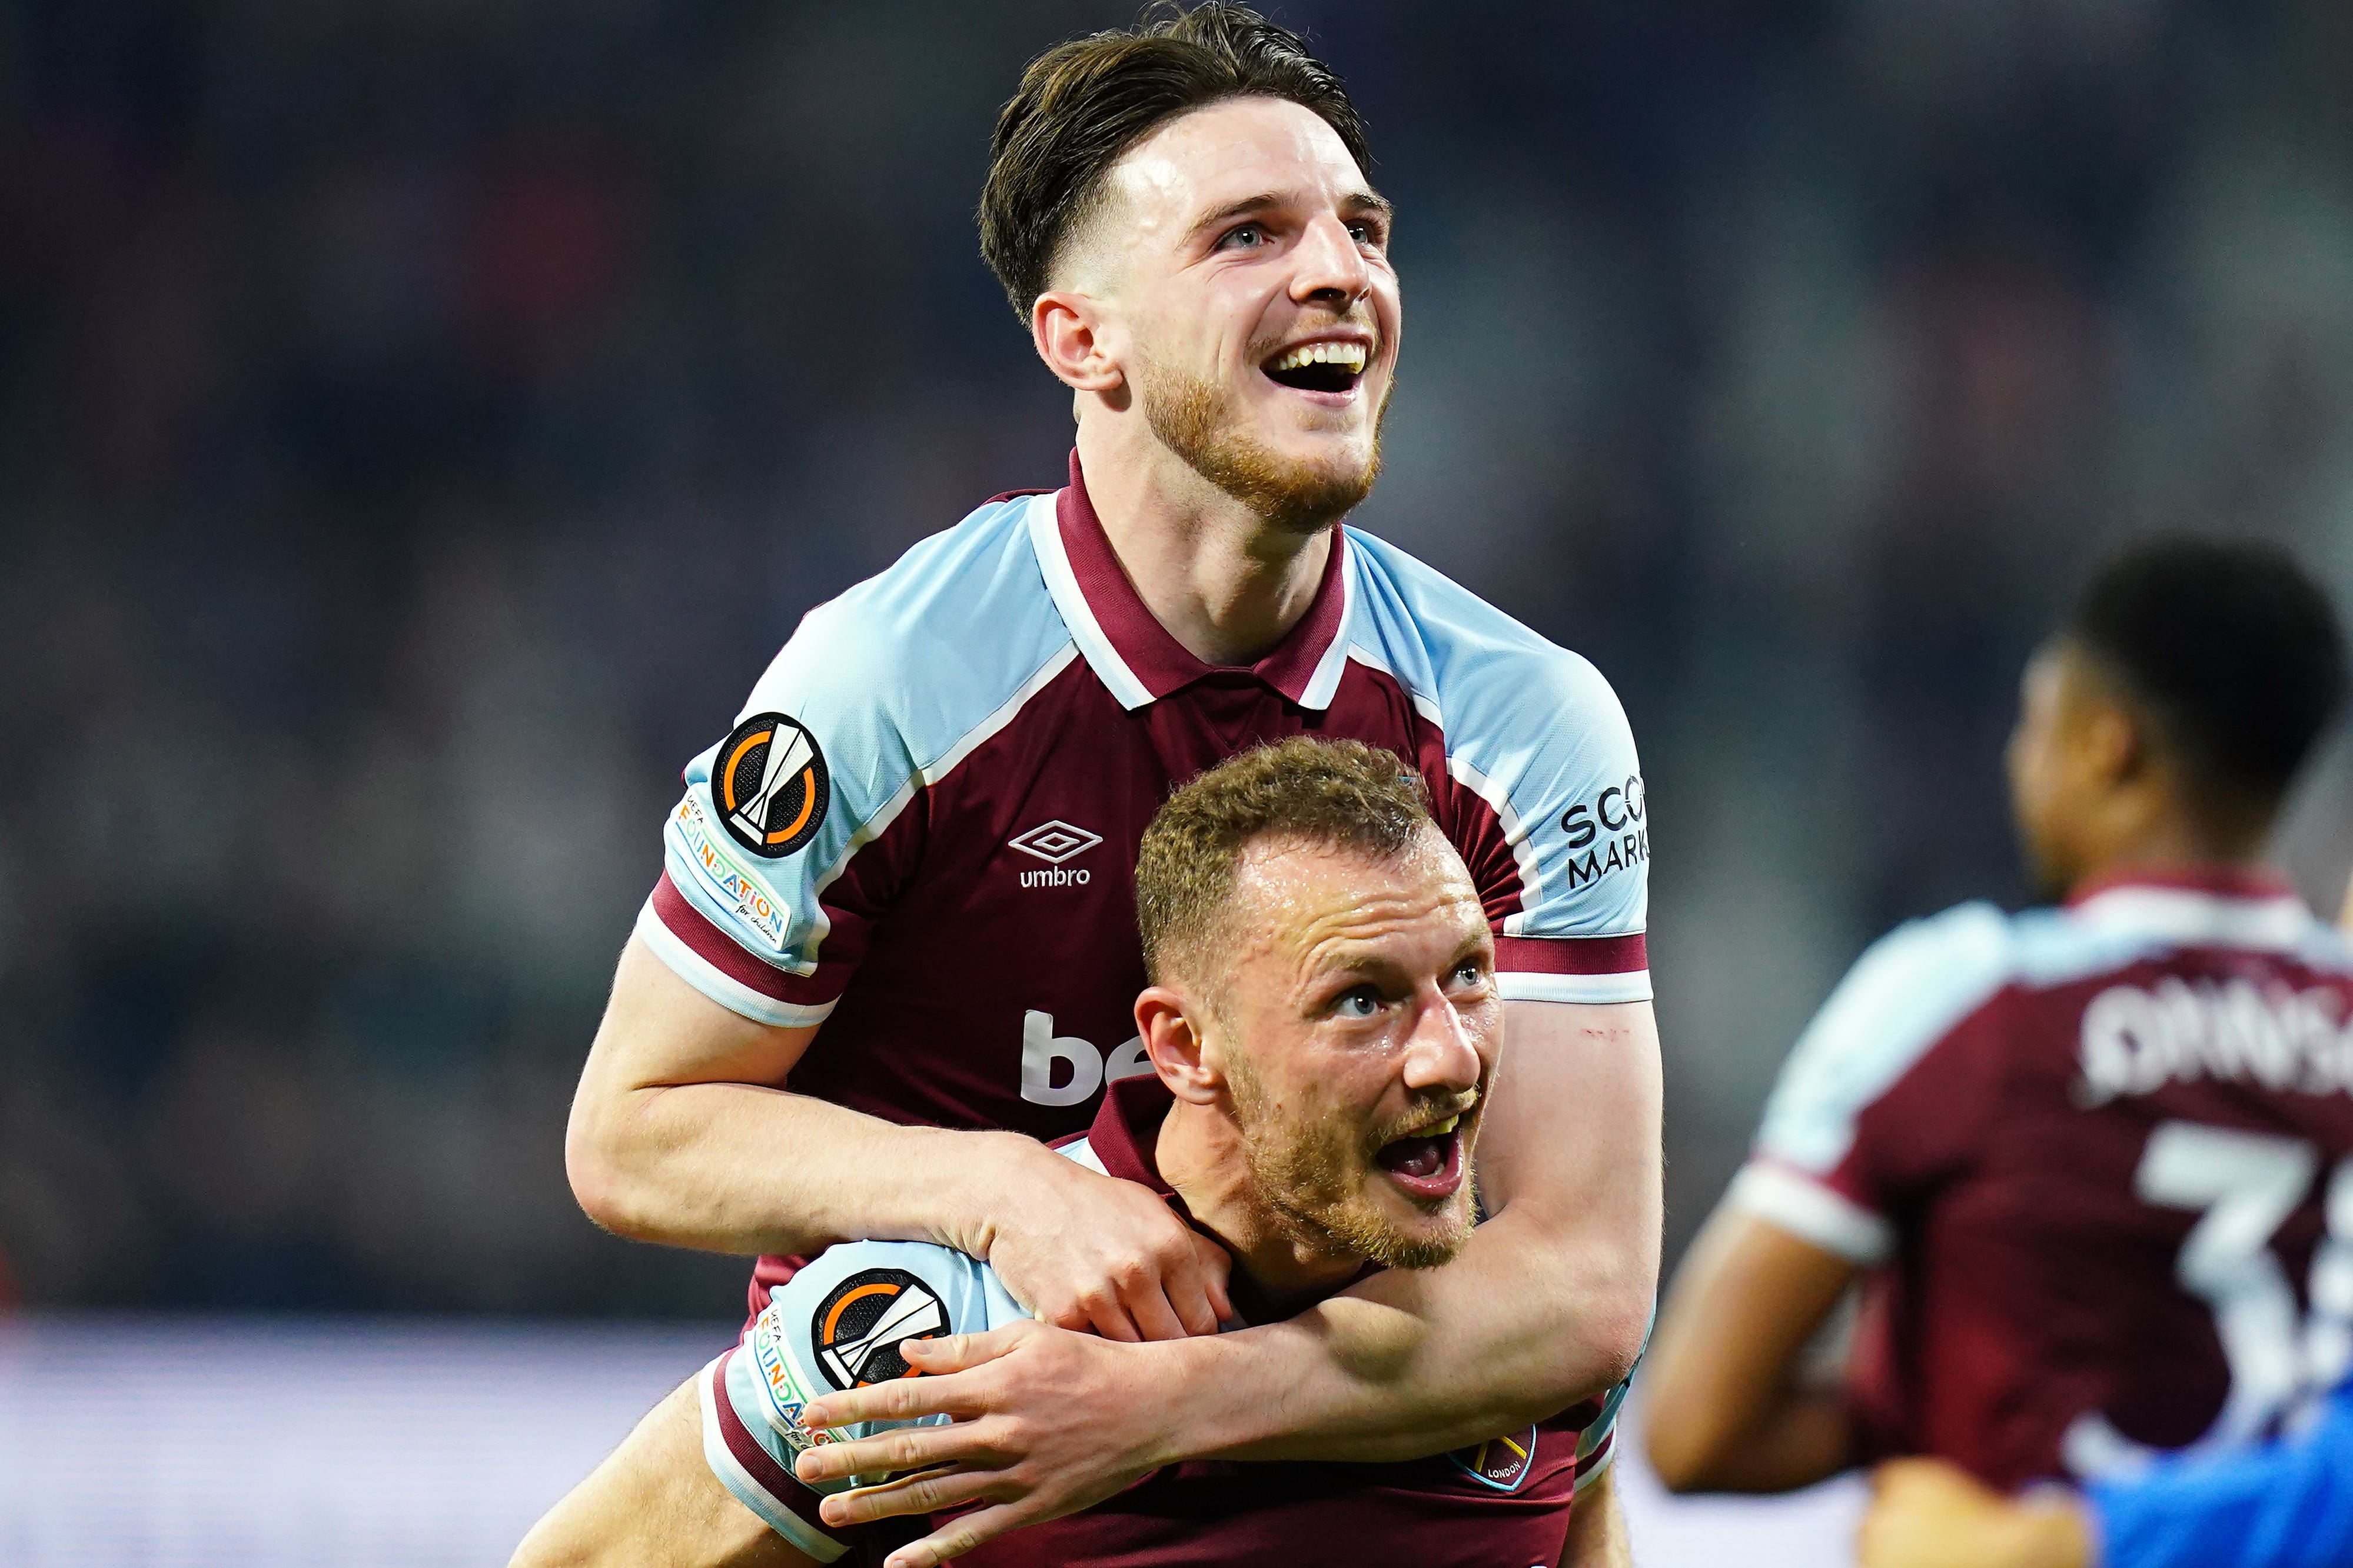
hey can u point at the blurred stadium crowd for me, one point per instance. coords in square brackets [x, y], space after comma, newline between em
[419, 422]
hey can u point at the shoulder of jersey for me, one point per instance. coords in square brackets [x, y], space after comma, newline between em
[938, 641]
[1447, 644]
[1907, 990]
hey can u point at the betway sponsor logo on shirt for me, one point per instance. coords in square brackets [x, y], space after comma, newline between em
[1078, 1063]
[2138, 1039]
[723, 876]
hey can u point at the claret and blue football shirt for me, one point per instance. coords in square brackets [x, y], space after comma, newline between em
[922, 831]
[2100, 1161]
[839, 1323]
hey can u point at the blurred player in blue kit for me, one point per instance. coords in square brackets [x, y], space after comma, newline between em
[2093, 1164]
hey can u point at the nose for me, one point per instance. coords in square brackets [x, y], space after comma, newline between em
[1331, 270]
[1441, 1053]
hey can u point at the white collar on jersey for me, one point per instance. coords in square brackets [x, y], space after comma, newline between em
[1103, 656]
[2199, 917]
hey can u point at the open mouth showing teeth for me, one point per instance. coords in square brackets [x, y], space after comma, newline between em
[1427, 1156]
[1319, 367]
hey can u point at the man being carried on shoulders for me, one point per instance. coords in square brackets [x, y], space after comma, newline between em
[1323, 1025]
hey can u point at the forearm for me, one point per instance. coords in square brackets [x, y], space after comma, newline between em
[1597, 1529]
[1726, 1402]
[1799, 1436]
[677, 1135]
[1522, 1325]
[732, 1167]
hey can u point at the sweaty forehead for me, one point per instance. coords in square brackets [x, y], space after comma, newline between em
[1207, 158]
[1309, 900]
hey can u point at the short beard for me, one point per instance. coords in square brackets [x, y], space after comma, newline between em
[1303, 1183]
[1193, 419]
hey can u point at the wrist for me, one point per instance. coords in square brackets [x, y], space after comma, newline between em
[1197, 1393]
[984, 1173]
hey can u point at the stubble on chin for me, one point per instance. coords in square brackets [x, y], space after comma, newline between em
[1196, 420]
[1311, 1182]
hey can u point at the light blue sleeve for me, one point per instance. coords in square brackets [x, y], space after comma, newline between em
[877, 694]
[2287, 1504]
[838, 1322]
[1536, 732]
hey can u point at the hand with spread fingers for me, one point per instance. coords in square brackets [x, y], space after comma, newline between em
[1927, 1513]
[1026, 1470]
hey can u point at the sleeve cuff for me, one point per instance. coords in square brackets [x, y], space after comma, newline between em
[1812, 1212]
[722, 975]
[1591, 969]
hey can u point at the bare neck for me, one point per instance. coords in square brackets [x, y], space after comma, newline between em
[1199, 1153]
[2159, 831]
[2172, 841]
[1224, 584]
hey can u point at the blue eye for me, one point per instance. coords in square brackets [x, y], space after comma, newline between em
[1361, 1002]
[1245, 234]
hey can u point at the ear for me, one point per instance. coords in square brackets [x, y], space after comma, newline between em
[1165, 1022]
[2111, 743]
[1068, 328]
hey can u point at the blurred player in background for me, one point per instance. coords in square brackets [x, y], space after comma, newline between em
[2285, 1504]
[1322, 984]
[895, 928]
[2094, 1162]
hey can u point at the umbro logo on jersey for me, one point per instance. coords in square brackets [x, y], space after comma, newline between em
[770, 783]
[861, 1322]
[1054, 842]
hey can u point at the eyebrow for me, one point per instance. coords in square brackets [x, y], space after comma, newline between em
[1355, 201]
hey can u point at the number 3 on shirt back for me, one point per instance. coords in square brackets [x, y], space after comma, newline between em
[2244, 1185]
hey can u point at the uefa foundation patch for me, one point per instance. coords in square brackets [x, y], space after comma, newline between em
[770, 783]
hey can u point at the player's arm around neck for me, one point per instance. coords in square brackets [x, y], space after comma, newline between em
[677, 1136]
[1545, 1306]
[1724, 1407]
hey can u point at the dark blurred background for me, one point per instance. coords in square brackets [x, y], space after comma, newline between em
[420, 421]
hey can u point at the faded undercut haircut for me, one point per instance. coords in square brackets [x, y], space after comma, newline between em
[2229, 645]
[1333, 794]
[1084, 103]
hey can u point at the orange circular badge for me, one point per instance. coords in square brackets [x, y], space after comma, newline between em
[770, 784]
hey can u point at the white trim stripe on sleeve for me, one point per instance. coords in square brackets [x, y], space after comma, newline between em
[1082, 1153]
[729, 993]
[1634, 986]
[738, 1480]
[1811, 1212]
[1325, 681]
